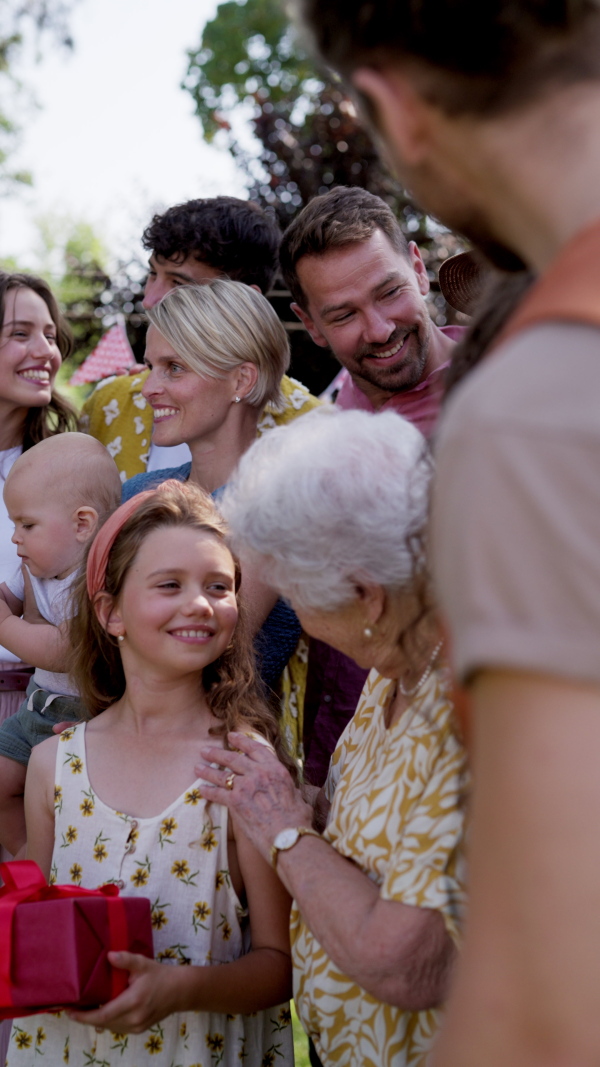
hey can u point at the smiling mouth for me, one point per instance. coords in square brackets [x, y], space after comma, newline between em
[164, 413]
[193, 634]
[42, 377]
[389, 352]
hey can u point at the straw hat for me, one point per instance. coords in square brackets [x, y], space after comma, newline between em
[461, 281]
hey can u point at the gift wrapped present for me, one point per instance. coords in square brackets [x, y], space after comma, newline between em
[54, 941]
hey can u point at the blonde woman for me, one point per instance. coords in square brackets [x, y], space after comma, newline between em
[216, 355]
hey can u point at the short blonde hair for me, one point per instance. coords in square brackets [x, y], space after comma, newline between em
[215, 327]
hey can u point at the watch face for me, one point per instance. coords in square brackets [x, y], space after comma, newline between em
[286, 838]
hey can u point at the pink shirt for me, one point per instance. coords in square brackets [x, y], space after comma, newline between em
[420, 405]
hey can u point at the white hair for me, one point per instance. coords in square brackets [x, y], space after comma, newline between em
[330, 501]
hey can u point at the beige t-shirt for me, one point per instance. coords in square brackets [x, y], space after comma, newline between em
[516, 512]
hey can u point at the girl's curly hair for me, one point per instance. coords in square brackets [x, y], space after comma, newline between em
[230, 684]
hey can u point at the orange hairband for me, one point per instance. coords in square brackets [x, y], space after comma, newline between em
[97, 560]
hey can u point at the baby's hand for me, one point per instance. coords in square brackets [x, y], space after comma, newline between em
[151, 996]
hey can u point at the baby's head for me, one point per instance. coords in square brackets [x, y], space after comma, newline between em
[57, 494]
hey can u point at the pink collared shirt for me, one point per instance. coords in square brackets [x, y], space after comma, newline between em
[420, 405]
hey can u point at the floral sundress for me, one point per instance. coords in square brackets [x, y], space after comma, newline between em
[177, 859]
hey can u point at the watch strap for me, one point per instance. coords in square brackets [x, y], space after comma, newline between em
[303, 831]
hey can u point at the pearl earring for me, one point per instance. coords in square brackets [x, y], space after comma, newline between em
[120, 637]
[368, 632]
[237, 399]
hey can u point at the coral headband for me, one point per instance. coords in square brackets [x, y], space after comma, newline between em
[97, 560]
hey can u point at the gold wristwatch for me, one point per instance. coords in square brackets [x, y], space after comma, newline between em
[287, 839]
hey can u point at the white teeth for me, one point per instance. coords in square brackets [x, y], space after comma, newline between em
[161, 413]
[192, 633]
[390, 351]
[35, 375]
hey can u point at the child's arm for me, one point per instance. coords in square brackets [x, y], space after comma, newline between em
[258, 980]
[39, 803]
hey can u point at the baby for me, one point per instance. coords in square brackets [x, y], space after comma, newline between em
[57, 495]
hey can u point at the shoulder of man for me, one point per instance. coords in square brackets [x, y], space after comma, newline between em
[118, 416]
[298, 401]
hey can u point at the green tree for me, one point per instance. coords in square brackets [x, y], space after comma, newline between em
[250, 62]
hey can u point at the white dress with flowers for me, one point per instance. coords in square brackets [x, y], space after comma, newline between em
[179, 860]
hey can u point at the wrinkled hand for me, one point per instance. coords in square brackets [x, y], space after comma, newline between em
[264, 798]
[151, 996]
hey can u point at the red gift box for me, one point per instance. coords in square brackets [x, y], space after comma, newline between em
[54, 941]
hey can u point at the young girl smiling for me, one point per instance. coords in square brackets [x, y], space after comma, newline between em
[161, 653]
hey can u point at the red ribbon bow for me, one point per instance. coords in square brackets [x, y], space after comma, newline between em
[24, 882]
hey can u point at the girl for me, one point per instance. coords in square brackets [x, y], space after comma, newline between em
[115, 799]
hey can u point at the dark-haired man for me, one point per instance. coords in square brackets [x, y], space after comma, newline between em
[359, 288]
[191, 243]
[502, 141]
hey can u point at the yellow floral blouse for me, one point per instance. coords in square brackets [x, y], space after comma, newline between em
[398, 807]
[177, 859]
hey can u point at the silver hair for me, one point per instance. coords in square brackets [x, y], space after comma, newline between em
[330, 501]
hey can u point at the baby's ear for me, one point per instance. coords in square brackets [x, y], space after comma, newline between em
[85, 521]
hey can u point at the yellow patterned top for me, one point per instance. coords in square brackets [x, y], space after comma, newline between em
[398, 810]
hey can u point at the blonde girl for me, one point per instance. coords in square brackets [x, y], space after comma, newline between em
[163, 664]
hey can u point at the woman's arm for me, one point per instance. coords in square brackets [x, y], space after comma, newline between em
[39, 803]
[258, 980]
[399, 953]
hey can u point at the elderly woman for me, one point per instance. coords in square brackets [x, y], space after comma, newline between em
[217, 354]
[378, 897]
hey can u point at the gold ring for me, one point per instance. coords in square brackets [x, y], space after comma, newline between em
[229, 781]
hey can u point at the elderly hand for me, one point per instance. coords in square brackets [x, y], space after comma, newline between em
[262, 795]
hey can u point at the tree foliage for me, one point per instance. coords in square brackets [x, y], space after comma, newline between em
[309, 135]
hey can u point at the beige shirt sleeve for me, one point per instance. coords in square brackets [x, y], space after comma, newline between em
[516, 510]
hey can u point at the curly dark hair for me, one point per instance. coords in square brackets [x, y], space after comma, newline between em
[58, 416]
[231, 685]
[469, 56]
[235, 237]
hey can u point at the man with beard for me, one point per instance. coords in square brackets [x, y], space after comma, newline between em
[359, 288]
[502, 141]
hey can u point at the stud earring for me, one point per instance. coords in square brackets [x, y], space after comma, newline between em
[368, 632]
[237, 399]
[120, 637]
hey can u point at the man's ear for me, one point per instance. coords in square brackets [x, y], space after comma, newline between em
[245, 378]
[401, 115]
[419, 268]
[372, 601]
[108, 613]
[85, 521]
[309, 325]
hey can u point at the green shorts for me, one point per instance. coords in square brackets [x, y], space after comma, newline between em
[34, 720]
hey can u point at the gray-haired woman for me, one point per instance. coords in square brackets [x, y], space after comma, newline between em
[378, 897]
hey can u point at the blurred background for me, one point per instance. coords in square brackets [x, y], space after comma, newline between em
[113, 110]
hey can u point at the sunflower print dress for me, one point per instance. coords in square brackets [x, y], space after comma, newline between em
[179, 861]
[398, 811]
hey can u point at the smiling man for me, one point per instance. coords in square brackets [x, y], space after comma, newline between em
[359, 288]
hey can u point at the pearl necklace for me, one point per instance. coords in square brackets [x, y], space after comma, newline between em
[425, 674]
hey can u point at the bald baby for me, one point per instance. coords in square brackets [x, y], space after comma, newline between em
[57, 494]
